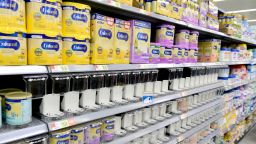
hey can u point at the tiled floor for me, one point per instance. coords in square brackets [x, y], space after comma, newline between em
[250, 137]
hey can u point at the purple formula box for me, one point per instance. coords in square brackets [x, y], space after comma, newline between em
[140, 41]
[166, 55]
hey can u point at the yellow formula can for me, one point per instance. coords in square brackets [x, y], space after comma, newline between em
[77, 135]
[13, 49]
[60, 137]
[43, 50]
[76, 20]
[44, 17]
[76, 51]
[18, 108]
[3, 92]
[12, 14]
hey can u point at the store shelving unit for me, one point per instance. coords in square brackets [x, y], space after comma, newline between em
[37, 127]
[10, 134]
[169, 121]
[150, 16]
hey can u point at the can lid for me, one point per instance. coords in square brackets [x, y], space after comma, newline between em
[3, 92]
[76, 5]
[18, 95]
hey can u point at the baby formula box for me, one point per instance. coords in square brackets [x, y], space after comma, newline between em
[44, 17]
[12, 14]
[44, 50]
[122, 41]
[154, 51]
[140, 44]
[107, 130]
[3, 92]
[13, 49]
[76, 20]
[18, 108]
[192, 55]
[75, 51]
[77, 135]
[165, 35]
[193, 39]
[60, 137]
[102, 42]
[182, 38]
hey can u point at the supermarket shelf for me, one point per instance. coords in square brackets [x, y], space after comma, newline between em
[210, 136]
[198, 128]
[150, 16]
[20, 70]
[55, 125]
[241, 83]
[36, 127]
[162, 124]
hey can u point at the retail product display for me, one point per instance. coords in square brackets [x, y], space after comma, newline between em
[124, 71]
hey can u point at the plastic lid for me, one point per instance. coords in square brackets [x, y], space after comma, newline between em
[77, 5]
[3, 92]
[18, 95]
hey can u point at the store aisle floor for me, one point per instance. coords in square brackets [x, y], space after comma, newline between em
[250, 137]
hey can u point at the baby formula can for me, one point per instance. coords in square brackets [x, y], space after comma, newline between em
[12, 14]
[154, 51]
[177, 54]
[107, 130]
[18, 108]
[60, 137]
[76, 51]
[182, 38]
[13, 49]
[44, 50]
[77, 135]
[193, 39]
[165, 35]
[44, 17]
[76, 20]
[94, 133]
[3, 92]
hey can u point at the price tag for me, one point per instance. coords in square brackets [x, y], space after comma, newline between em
[71, 122]
[183, 116]
[180, 138]
[115, 4]
[101, 67]
[147, 99]
[62, 124]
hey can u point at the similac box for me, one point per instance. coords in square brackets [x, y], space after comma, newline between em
[76, 20]
[102, 42]
[141, 31]
[44, 17]
[122, 41]
[44, 50]
[13, 49]
[75, 51]
[209, 50]
[12, 14]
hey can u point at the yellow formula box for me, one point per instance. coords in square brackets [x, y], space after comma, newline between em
[162, 7]
[43, 50]
[12, 14]
[209, 50]
[13, 49]
[122, 41]
[76, 20]
[102, 42]
[127, 2]
[44, 17]
[76, 51]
